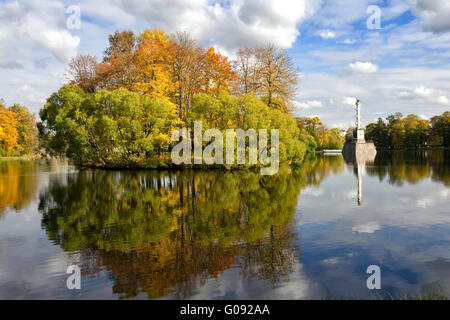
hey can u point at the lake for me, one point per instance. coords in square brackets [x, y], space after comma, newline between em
[305, 233]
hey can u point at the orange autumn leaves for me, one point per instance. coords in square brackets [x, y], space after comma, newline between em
[8, 129]
[173, 68]
[18, 132]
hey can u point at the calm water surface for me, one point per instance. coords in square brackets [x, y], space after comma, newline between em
[304, 233]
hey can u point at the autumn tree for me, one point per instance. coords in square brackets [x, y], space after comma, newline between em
[440, 130]
[309, 125]
[83, 71]
[173, 68]
[268, 73]
[118, 69]
[18, 131]
[218, 74]
[27, 139]
[152, 63]
[416, 131]
[8, 129]
[246, 68]
[409, 132]
[278, 77]
[316, 136]
[186, 67]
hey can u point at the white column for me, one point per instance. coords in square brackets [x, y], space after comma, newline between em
[358, 118]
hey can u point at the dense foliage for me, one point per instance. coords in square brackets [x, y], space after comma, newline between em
[322, 138]
[174, 68]
[18, 131]
[120, 128]
[410, 131]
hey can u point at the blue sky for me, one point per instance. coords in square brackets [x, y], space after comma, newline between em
[403, 66]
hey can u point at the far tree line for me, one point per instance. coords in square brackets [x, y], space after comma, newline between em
[400, 132]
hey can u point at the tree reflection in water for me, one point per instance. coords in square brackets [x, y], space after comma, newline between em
[155, 230]
[18, 184]
[411, 166]
[164, 233]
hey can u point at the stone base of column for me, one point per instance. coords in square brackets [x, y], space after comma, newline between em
[358, 151]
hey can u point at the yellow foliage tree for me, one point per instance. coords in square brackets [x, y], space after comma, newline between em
[152, 60]
[218, 75]
[8, 129]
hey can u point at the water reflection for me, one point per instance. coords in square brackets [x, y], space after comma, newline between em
[304, 233]
[155, 230]
[18, 185]
[19, 181]
[412, 166]
[402, 225]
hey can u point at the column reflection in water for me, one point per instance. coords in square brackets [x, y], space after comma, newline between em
[359, 162]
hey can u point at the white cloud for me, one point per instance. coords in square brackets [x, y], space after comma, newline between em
[367, 227]
[424, 202]
[59, 42]
[28, 27]
[31, 94]
[445, 193]
[308, 104]
[383, 93]
[349, 101]
[313, 192]
[327, 34]
[334, 260]
[363, 67]
[434, 13]
[344, 126]
[35, 45]
[339, 14]
[239, 23]
[348, 41]
[425, 93]
[443, 100]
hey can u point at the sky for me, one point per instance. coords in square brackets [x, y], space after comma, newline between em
[393, 55]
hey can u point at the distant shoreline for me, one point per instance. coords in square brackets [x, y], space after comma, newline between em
[24, 157]
[414, 149]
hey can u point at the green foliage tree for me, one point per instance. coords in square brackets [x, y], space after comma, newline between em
[108, 128]
[322, 138]
[120, 128]
[248, 112]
